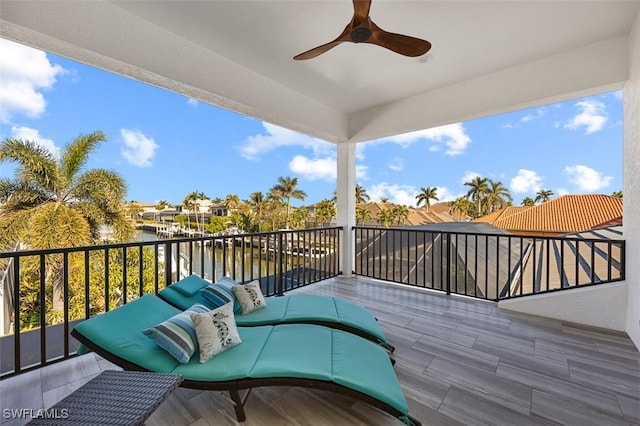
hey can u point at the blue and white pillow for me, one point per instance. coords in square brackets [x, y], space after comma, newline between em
[220, 293]
[177, 335]
[250, 297]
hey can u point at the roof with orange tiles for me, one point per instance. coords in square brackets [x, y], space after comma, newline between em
[501, 214]
[568, 213]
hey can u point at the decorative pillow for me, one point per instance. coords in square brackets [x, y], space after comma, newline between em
[177, 335]
[250, 297]
[190, 285]
[216, 331]
[221, 293]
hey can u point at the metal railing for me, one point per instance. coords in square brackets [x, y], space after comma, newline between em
[486, 266]
[52, 290]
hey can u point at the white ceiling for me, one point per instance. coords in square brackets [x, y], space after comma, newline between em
[487, 57]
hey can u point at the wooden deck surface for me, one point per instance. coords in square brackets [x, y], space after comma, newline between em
[459, 361]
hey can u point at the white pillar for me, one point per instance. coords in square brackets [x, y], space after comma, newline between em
[631, 177]
[346, 205]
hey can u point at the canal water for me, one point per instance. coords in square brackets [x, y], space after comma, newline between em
[232, 261]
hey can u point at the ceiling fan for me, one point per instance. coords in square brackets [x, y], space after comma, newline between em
[361, 29]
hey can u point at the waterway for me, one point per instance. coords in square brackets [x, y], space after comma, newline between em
[233, 261]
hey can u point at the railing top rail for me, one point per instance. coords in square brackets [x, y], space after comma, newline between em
[482, 234]
[9, 254]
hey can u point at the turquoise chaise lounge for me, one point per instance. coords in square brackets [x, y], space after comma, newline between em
[332, 312]
[283, 355]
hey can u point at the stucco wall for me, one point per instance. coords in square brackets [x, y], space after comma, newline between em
[598, 306]
[631, 106]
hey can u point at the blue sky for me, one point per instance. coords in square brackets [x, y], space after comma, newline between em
[166, 145]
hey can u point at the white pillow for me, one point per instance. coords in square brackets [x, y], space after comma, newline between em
[250, 297]
[216, 331]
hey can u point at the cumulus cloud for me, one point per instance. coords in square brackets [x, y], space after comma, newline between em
[275, 137]
[586, 178]
[316, 168]
[399, 194]
[445, 194]
[192, 102]
[396, 164]
[469, 176]
[592, 117]
[138, 149]
[452, 137]
[27, 133]
[538, 114]
[25, 73]
[562, 191]
[526, 181]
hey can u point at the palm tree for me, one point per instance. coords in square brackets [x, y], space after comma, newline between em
[190, 204]
[361, 195]
[362, 215]
[231, 201]
[325, 211]
[299, 218]
[385, 217]
[258, 204]
[162, 204]
[543, 195]
[384, 199]
[498, 196]
[426, 195]
[286, 188]
[53, 203]
[617, 194]
[528, 201]
[478, 190]
[460, 207]
[400, 214]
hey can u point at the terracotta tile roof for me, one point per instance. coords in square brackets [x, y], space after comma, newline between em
[501, 214]
[568, 213]
[415, 217]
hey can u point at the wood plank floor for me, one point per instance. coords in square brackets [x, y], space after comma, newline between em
[459, 361]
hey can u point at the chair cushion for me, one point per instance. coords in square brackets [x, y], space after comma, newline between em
[190, 285]
[250, 297]
[216, 331]
[177, 334]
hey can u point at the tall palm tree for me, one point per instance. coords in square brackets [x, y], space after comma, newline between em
[528, 201]
[258, 204]
[385, 217]
[478, 188]
[362, 215]
[286, 188]
[617, 194]
[460, 207]
[361, 195]
[426, 195]
[190, 204]
[53, 203]
[498, 196]
[543, 195]
[384, 199]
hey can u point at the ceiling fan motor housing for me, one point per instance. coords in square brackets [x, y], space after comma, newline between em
[360, 34]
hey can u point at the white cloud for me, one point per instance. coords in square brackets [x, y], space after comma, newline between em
[396, 164]
[312, 169]
[399, 194]
[192, 102]
[275, 137]
[361, 172]
[29, 134]
[586, 178]
[469, 176]
[452, 137]
[530, 117]
[25, 72]
[444, 194]
[561, 191]
[526, 181]
[139, 149]
[592, 116]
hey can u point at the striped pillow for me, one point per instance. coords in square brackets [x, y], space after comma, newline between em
[177, 335]
[221, 293]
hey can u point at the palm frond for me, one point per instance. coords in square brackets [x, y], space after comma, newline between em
[21, 195]
[56, 225]
[35, 162]
[13, 227]
[105, 188]
[76, 153]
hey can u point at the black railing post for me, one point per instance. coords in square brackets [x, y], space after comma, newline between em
[448, 275]
[280, 270]
[168, 257]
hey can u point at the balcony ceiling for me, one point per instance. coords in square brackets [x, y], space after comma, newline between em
[487, 57]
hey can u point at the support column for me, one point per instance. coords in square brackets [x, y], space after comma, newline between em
[346, 203]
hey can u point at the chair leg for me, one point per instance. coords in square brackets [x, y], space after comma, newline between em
[238, 405]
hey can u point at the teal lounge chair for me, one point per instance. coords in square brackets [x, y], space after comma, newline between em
[284, 355]
[332, 312]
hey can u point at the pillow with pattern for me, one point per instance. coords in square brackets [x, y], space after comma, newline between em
[250, 297]
[216, 331]
[220, 293]
[177, 334]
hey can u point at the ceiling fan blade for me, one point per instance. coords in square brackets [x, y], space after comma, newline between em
[312, 53]
[316, 51]
[399, 43]
[360, 11]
